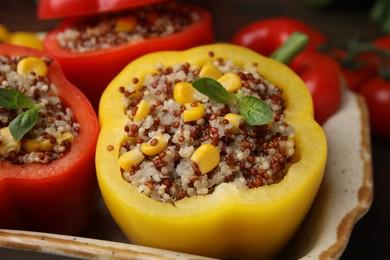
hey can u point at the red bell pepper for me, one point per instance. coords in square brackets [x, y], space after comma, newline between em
[320, 73]
[58, 197]
[322, 76]
[93, 70]
[48, 9]
[266, 35]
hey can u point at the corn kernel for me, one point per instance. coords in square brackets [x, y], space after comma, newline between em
[235, 120]
[142, 111]
[26, 39]
[30, 145]
[8, 143]
[65, 136]
[4, 34]
[230, 81]
[193, 112]
[184, 92]
[206, 157]
[210, 71]
[130, 158]
[156, 145]
[125, 24]
[37, 65]
[33, 145]
[45, 145]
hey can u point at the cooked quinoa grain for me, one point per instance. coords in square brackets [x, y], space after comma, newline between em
[113, 29]
[191, 157]
[55, 130]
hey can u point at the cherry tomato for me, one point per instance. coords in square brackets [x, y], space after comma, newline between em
[377, 95]
[362, 68]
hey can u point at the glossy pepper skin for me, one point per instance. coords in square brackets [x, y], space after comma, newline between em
[92, 71]
[266, 35]
[322, 77]
[48, 9]
[59, 197]
[319, 72]
[229, 223]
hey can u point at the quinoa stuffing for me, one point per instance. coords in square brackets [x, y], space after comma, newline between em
[181, 143]
[52, 135]
[113, 29]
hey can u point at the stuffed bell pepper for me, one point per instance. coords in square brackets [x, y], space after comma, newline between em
[48, 134]
[211, 151]
[98, 38]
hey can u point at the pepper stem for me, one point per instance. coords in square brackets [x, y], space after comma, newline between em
[290, 48]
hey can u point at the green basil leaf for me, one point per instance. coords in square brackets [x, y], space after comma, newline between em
[254, 110]
[13, 99]
[214, 90]
[24, 122]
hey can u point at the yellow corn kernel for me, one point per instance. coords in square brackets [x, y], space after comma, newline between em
[26, 39]
[210, 71]
[37, 65]
[8, 143]
[143, 111]
[206, 157]
[193, 112]
[156, 145]
[184, 92]
[130, 158]
[125, 24]
[235, 120]
[30, 145]
[4, 34]
[33, 145]
[230, 81]
[45, 145]
[65, 136]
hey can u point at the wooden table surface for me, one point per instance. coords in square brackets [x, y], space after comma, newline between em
[371, 236]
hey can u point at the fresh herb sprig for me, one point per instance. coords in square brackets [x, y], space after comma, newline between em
[254, 110]
[24, 122]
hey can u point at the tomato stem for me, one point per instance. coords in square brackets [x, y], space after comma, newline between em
[380, 14]
[353, 48]
[290, 48]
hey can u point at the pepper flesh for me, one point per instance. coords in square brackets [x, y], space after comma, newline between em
[59, 197]
[262, 219]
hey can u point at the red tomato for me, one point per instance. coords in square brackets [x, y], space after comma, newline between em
[359, 71]
[383, 42]
[59, 197]
[266, 35]
[322, 77]
[377, 95]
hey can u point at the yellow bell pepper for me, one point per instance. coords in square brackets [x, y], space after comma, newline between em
[228, 223]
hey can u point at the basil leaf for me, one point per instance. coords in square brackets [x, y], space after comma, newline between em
[13, 99]
[254, 110]
[214, 90]
[24, 122]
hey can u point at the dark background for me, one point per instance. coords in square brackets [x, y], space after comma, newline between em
[345, 18]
